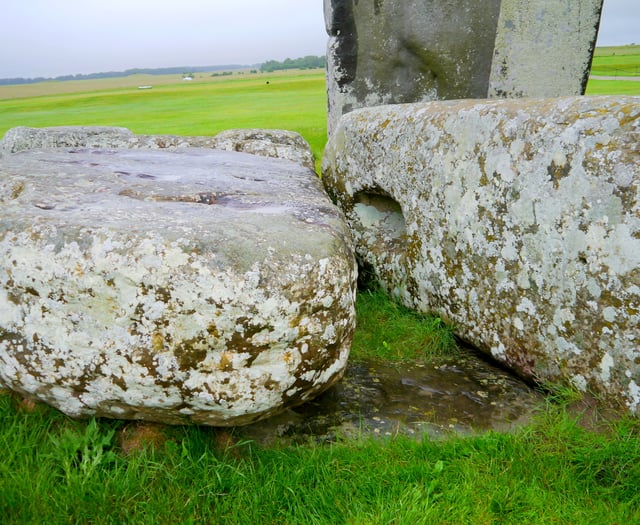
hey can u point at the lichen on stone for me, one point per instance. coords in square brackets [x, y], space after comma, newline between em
[522, 226]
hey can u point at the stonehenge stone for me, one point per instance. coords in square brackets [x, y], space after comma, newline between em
[273, 143]
[394, 52]
[186, 286]
[277, 143]
[517, 221]
[544, 49]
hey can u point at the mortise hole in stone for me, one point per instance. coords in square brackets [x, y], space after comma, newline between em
[379, 213]
[381, 240]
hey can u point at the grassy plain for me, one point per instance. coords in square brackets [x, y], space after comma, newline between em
[610, 63]
[618, 61]
[56, 470]
[204, 106]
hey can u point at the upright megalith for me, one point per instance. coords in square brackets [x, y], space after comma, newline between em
[182, 286]
[516, 220]
[391, 51]
[544, 49]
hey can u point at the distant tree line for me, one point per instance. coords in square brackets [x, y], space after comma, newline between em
[115, 74]
[308, 62]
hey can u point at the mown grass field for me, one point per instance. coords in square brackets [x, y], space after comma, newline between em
[55, 470]
[204, 106]
[617, 61]
[612, 62]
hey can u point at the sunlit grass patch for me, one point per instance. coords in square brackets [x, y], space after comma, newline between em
[387, 330]
[295, 102]
[613, 87]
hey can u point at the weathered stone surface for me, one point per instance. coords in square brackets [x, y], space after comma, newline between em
[265, 142]
[517, 220]
[274, 143]
[23, 138]
[187, 286]
[391, 52]
[544, 49]
[458, 395]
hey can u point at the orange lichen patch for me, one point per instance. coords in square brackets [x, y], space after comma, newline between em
[139, 436]
[226, 362]
[157, 341]
[212, 330]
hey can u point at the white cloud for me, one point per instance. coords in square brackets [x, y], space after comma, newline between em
[49, 38]
[620, 23]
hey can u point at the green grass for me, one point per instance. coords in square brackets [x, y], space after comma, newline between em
[613, 87]
[296, 102]
[389, 331]
[56, 470]
[621, 61]
[617, 61]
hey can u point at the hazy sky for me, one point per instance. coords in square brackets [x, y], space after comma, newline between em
[57, 37]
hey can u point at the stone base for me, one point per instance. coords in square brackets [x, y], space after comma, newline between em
[186, 286]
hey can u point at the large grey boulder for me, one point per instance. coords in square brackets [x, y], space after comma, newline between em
[403, 51]
[186, 286]
[24, 138]
[275, 143]
[516, 220]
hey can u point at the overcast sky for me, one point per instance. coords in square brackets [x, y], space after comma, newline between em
[47, 38]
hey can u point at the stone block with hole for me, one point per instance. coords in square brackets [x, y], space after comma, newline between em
[518, 221]
[186, 286]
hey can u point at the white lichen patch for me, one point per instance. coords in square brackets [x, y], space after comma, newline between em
[171, 308]
[522, 225]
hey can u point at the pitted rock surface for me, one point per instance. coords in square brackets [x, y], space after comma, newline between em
[274, 143]
[544, 49]
[187, 286]
[403, 51]
[280, 144]
[518, 221]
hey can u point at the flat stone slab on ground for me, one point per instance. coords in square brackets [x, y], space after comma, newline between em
[451, 396]
[188, 286]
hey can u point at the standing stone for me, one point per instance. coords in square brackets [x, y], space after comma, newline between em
[516, 220]
[402, 51]
[186, 286]
[544, 49]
